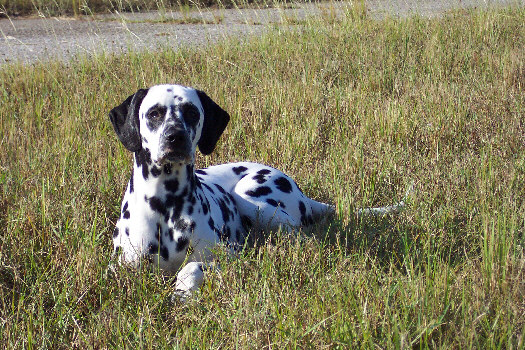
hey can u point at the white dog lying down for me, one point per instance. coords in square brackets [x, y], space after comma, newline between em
[173, 214]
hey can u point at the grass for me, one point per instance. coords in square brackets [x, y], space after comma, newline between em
[9, 8]
[354, 110]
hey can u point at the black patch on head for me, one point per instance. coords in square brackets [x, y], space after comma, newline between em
[259, 178]
[239, 169]
[201, 172]
[283, 184]
[260, 191]
[190, 113]
[115, 232]
[264, 172]
[155, 171]
[171, 185]
[182, 243]
[155, 116]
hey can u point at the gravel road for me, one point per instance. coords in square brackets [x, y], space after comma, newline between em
[39, 39]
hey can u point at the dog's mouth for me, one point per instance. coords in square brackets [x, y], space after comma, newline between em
[174, 157]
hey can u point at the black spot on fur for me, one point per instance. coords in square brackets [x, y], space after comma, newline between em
[302, 209]
[115, 232]
[238, 235]
[182, 243]
[164, 252]
[170, 234]
[260, 191]
[211, 223]
[126, 214]
[201, 172]
[171, 185]
[283, 184]
[175, 202]
[204, 208]
[131, 184]
[208, 188]
[264, 172]
[274, 203]
[118, 250]
[153, 248]
[239, 169]
[157, 205]
[259, 178]
[219, 187]
[155, 171]
[224, 210]
[143, 159]
[126, 231]
[246, 222]
[181, 225]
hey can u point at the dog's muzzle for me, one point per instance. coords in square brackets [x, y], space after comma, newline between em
[175, 145]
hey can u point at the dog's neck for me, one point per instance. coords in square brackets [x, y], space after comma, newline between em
[153, 180]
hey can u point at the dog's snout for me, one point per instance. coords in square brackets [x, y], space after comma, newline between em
[175, 136]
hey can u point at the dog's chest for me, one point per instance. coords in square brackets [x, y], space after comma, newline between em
[174, 226]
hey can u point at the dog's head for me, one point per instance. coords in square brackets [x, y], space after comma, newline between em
[170, 121]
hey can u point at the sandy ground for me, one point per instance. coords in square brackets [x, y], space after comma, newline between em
[39, 39]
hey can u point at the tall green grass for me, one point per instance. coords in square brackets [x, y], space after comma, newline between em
[355, 110]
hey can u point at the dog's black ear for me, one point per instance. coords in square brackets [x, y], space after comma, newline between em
[215, 121]
[125, 120]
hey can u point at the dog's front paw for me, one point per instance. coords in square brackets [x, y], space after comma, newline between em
[189, 280]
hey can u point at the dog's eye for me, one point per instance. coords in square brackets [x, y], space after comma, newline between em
[191, 115]
[154, 114]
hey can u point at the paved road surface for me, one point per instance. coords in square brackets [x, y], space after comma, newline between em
[40, 39]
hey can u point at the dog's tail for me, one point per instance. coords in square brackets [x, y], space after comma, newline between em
[387, 210]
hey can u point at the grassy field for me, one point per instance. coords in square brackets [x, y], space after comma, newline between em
[355, 110]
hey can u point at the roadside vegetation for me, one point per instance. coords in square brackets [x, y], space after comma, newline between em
[355, 110]
[46, 8]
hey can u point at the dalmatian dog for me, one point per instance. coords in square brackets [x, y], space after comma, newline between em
[173, 215]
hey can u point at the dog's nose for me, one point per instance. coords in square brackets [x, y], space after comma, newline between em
[175, 136]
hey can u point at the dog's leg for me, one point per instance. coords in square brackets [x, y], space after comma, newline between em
[190, 279]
